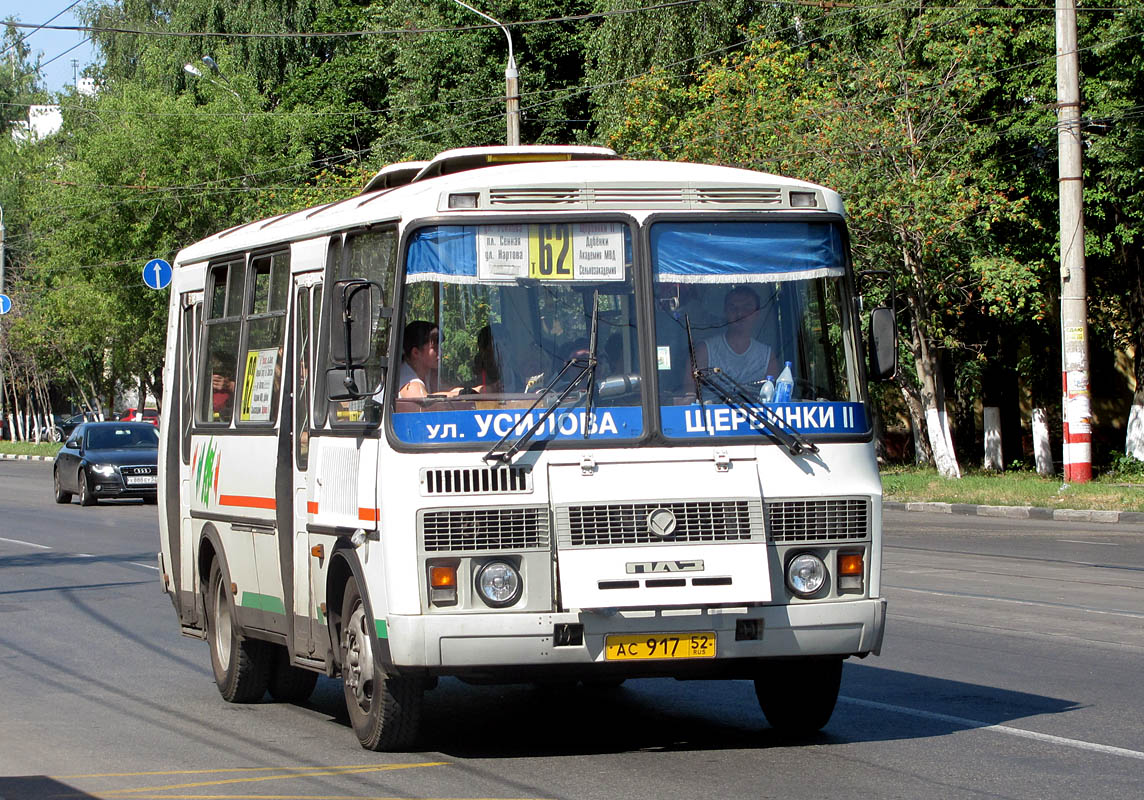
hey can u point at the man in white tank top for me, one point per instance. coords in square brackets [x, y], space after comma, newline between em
[736, 351]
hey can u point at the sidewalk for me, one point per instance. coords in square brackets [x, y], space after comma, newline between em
[1021, 512]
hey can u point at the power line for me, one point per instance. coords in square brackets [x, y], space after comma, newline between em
[35, 28]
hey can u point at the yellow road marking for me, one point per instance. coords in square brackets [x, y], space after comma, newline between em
[204, 771]
[321, 771]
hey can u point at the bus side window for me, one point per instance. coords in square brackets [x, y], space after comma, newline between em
[304, 336]
[220, 343]
[371, 255]
[188, 336]
[265, 329]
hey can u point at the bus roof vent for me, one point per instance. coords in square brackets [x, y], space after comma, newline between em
[467, 158]
[542, 196]
[475, 480]
[739, 196]
[640, 197]
[394, 175]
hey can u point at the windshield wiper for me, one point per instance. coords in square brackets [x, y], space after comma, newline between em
[587, 368]
[738, 396]
[590, 400]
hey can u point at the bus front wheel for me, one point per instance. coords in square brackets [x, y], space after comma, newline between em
[241, 666]
[797, 697]
[385, 710]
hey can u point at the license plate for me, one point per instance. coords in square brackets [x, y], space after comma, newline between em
[643, 647]
[140, 480]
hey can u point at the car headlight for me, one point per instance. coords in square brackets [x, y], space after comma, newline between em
[106, 470]
[805, 574]
[499, 584]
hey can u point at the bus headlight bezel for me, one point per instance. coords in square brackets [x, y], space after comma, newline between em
[806, 574]
[491, 592]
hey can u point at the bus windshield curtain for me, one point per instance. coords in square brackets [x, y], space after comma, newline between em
[745, 252]
[447, 254]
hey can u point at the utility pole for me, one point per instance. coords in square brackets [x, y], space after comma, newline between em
[1077, 406]
[511, 81]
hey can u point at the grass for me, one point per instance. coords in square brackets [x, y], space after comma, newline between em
[29, 448]
[1113, 491]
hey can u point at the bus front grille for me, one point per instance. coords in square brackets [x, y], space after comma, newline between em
[623, 524]
[818, 520]
[476, 480]
[485, 529]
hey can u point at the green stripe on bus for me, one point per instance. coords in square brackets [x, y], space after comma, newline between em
[382, 629]
[263, 602]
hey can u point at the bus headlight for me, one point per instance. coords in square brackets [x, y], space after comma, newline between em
[499, 584]
[805, 574]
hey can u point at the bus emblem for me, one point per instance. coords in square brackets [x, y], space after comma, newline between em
[661, 522]
[643, 567]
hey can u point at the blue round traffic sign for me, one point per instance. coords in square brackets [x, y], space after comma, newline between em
[5, 304]
[157, 273]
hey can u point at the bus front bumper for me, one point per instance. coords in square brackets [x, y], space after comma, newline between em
[489, 643]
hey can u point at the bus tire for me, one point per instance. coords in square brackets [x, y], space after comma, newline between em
[241, 666]
[798, 696]
[385, 710]
[86, 496]
[62, 497]
[289, 684]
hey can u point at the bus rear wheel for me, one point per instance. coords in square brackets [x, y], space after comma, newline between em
[798, 696]
[385, 710]
[241, 666]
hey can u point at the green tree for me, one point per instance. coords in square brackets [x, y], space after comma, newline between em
[894, 126]
[115, 189]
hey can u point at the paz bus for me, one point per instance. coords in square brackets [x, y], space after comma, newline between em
[523, 414]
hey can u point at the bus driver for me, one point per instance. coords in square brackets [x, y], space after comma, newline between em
[736, 351]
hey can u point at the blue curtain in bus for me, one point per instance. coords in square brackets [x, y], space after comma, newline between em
[731, 252]
[447, 253]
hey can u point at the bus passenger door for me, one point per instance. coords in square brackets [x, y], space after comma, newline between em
[307, 296]
[180, 539]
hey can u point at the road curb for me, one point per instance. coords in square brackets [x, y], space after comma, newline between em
[1022, 512]
[14, 457]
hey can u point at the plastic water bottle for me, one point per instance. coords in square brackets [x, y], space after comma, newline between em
[785, 385]
[767, 390]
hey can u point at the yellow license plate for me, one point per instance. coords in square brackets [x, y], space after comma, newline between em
[643, 647]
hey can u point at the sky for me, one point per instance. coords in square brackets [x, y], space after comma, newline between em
[51, 43]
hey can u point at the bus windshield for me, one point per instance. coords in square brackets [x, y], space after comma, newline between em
[497, 329]
[764, 302]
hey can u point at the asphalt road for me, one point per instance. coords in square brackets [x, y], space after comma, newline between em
[1011, 669]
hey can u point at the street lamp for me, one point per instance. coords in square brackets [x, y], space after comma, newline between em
[511, 85]
[191, 69]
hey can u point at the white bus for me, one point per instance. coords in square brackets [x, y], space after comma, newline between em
[526, 414]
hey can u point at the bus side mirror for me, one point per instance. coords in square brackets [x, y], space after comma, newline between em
[348, 383]
[883, 347]
[359, 316]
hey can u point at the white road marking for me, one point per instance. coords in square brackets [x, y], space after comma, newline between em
[1081, 541]
[29, 544]
[148, 566]
[966, 595]
[1024, 734]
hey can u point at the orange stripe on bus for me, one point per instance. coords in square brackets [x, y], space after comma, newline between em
[241, 501]
[311, 507]
[368, 514]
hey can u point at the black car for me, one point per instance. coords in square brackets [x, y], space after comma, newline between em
[108, 459]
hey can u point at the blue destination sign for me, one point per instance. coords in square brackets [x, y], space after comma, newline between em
[715, 419]
[432, 427]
